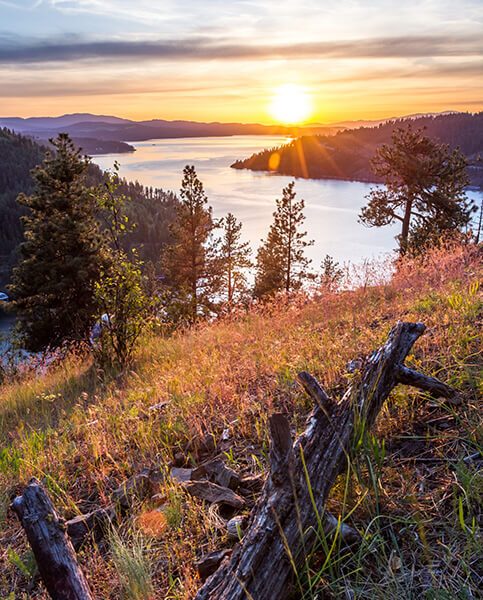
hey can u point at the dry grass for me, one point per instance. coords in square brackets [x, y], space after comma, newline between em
[416, 501]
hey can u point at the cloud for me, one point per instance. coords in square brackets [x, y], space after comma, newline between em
[197, 48]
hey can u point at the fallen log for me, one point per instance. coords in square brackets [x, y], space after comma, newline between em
[284, 524]
[52, 548]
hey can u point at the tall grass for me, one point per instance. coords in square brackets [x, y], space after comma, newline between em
[409, 492]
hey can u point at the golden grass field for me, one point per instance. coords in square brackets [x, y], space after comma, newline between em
[409, 492]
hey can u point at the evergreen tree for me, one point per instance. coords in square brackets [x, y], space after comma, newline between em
[191, 264]
[61, 257]
[331, 274]
[424, 189]
[281, 262]
[234, 260]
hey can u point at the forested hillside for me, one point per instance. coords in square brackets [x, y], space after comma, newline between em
[18, 156]
[151, 210]
[347, 154]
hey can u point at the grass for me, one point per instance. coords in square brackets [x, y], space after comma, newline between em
[409, 491]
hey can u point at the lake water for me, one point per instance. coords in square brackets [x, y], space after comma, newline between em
[331, 207]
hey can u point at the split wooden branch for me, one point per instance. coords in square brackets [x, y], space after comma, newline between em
[52, 548]
[283, 525]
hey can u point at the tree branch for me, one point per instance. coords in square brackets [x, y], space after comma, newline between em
[408, 376]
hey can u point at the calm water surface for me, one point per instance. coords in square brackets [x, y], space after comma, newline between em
[332, 207]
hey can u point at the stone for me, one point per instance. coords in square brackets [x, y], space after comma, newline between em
[208, 564]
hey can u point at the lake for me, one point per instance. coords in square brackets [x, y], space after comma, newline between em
[331, 207]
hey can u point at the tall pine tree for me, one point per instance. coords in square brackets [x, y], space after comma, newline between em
[234, 260]
[61, 257]
[424, 189]
[191, 263]
[281, 261]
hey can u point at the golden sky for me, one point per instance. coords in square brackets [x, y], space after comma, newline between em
[221, 60]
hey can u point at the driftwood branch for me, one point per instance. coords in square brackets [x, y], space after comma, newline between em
[409, 376]
[52, 548]
[283, 524]
[281, 449]
[315, 391]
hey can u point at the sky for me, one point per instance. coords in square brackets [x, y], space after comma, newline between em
[223, 60]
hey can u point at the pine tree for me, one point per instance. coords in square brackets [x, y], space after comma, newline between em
[234, 260]
[424, 189]
[61, 257]
[281, 261]
[191, 265]
[331, 274]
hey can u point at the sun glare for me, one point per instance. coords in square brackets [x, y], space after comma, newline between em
[291, 104]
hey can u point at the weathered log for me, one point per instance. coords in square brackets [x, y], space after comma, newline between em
[284, 524]
[408, 376]
[52, 548]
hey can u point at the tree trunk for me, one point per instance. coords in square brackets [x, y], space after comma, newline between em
[403, 245]
[284, 524]
[52, 548]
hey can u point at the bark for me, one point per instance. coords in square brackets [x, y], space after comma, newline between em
[405, 226]
[52, 548]
[289, 515]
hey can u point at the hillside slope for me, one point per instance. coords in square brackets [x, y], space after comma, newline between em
[151, 210]
[347, 154]
[412, 492]
[18, 156]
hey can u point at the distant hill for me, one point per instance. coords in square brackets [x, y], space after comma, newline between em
[99, 134]
[347, 154]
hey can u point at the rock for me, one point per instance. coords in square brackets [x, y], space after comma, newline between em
[216, 471]
[236, 526]
[215, 494]
[136, 487]
[253, 483]
[208, 564]
[181, 475]
[91, 525]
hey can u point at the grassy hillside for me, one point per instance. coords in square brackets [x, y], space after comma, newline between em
[410, 492]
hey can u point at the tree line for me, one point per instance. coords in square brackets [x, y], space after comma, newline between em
[83, 274]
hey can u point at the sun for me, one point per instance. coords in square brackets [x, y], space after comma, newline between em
[291, 104]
